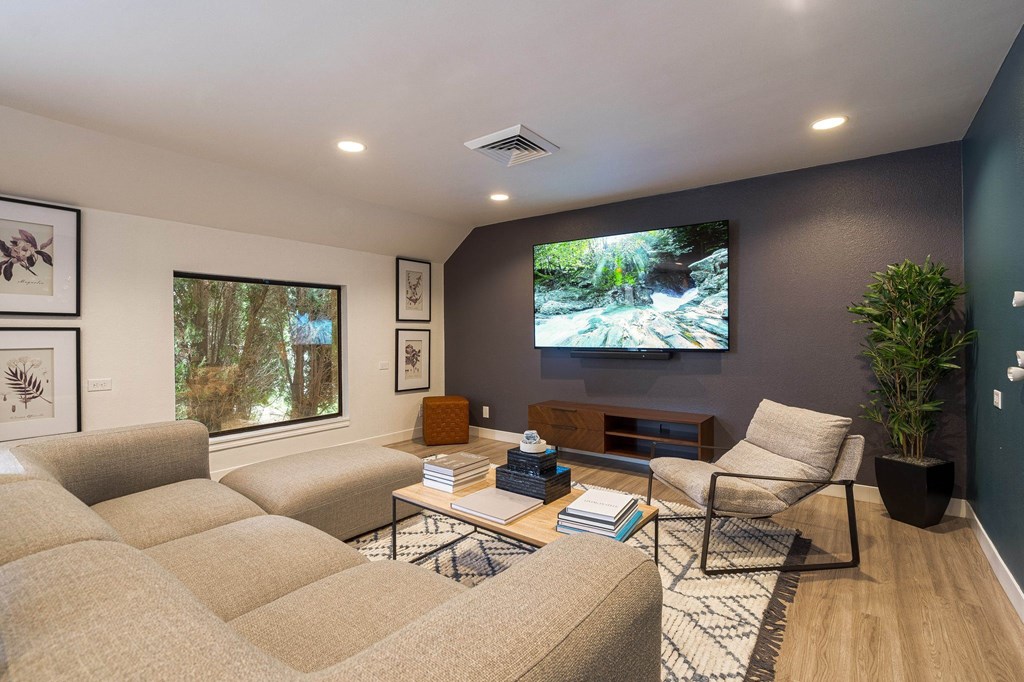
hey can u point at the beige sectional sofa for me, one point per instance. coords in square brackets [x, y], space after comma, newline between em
[121, 559]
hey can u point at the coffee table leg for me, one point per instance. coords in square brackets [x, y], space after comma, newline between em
[655, 539]
[394, 529]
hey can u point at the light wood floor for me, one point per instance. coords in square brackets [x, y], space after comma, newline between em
[924, 604]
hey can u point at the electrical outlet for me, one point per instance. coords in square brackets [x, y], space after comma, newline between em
[997, 399]
[487, 412]
[383, 364]
[99, 385]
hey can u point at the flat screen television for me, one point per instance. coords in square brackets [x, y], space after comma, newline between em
[656, 290]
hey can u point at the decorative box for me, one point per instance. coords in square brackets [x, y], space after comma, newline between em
[540, 464]
[548, 488]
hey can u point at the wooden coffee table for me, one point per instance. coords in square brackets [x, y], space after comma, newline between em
[536, 528]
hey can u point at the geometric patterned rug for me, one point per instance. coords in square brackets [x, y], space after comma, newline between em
[714, 628]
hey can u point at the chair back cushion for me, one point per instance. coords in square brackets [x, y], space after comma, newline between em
[795, 433]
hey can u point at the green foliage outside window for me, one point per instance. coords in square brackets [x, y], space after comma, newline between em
[253, 353]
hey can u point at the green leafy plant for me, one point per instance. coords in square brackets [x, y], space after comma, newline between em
[913, 341]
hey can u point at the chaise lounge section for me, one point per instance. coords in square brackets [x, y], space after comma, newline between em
[120, 558]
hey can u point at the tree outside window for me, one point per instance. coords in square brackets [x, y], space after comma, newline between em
[251, 353]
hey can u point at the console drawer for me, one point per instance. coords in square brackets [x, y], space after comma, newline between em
[558, 415]
[570, 436]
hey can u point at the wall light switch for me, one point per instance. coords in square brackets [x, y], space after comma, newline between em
[487, 412]
[383, 364]
[997, 399]
[99, 385]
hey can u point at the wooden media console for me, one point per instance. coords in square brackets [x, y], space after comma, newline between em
[625, 431]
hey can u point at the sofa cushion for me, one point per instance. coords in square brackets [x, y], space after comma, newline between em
[236, 568]
[746, 457]
[732, 495]
[810, 437]
[343, 490]
[38, 515]
[327, 621]
[173, 511]
[104, 611]
[102, 465]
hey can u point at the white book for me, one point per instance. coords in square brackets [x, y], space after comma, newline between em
[447, 487]
[453, 464]
[467, 473]
[601, 504]
[453, 484]
[499, 506]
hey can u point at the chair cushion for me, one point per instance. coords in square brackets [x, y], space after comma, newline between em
[39, 515]
[327, 621]
[236, 568]
[795, 433]
[747, 458]
[172, 511]
[98, 610]
[732, 495]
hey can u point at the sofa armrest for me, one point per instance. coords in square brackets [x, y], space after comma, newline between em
[101, 465]
[582, 608]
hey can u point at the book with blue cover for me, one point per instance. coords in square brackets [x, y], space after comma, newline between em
[620, 535]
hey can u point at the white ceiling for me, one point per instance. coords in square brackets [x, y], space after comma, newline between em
[643, 97]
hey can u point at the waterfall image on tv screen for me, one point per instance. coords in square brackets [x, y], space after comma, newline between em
[665, 289]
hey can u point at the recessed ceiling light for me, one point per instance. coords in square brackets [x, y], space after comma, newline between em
[499, 197]
[829, 123]
[351, 146]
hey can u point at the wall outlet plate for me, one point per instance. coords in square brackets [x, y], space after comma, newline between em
[997, 399]
[383, 364]
[99, 385]
[487, 412]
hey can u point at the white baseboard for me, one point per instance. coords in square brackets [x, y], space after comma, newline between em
[494, 434]
[869, 493]
[1003, 575]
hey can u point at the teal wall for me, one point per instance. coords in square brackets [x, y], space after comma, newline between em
[993, 180]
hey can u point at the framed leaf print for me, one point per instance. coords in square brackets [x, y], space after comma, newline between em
[40, 248]
[413, 290]
[412, 360]
[39, 382]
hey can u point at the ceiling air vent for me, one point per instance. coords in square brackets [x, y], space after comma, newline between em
[512, 146]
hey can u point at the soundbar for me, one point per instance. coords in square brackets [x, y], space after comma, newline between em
[621, 354]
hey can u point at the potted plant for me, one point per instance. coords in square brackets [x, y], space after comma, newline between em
[914, 338]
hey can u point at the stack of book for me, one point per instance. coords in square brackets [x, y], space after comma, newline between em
[451, 473]
[613, 515]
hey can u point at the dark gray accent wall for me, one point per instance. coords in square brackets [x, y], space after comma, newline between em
[994, 256]
[803, 245]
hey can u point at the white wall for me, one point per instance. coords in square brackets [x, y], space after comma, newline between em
[127, 324]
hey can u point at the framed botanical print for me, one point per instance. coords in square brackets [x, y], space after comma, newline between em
[40, 248]
[412, 360]
[40, 388]
[413, 290]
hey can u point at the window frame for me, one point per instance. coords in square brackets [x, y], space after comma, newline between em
[285, 427]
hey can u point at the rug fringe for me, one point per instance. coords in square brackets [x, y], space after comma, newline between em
[769, 640]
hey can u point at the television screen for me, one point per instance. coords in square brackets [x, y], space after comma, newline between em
[664, 289]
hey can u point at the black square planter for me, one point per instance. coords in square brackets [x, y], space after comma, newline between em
[917, 494]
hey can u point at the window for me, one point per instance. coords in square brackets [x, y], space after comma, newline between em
[252, 353]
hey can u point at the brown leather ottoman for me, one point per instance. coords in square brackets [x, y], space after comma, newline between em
[445, 420]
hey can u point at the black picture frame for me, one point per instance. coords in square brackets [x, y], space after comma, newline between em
[403, 384]
[66, 395]
[66, 225]
[406, 311]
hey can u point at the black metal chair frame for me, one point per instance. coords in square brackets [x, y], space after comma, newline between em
[710, 514]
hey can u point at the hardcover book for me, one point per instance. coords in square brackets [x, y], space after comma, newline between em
[500, 506]
[603, 505]
[453, 464]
